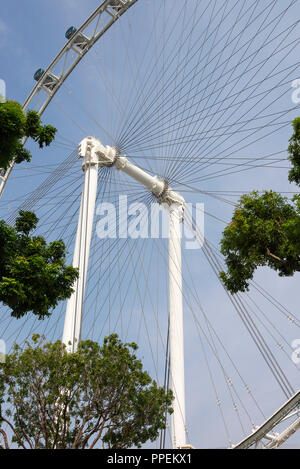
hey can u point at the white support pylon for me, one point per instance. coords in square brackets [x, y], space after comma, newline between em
[96, 155]
[174, 203]
[176, 327]
[73, 318]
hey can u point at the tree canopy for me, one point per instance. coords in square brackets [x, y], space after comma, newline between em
[33, 274]
[264, 231]
[294, 153]
[14, 126]
[99, 396]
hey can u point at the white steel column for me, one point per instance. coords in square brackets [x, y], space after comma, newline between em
[96, 155]
[176, 327]
[73, 319]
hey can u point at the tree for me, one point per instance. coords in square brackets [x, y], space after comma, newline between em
[294, 153]
[97, 396]
[14, 126]
[33, 274]
[264, 231]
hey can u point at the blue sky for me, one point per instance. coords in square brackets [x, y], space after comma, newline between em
[31, 34]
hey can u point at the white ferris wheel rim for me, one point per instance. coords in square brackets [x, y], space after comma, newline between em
[105, 8]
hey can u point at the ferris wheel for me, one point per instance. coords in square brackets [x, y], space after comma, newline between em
[168, 111]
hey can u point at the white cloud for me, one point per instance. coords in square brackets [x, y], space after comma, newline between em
[3, 27]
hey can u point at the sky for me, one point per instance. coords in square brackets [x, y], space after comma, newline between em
[177, 104]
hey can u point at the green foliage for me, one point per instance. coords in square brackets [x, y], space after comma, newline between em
[33, 124]
[46, 136]
[294, 153]
[22, 154]
[26, 222]
[33, 274]
[99, 396]
[264, 231]
[14, 126]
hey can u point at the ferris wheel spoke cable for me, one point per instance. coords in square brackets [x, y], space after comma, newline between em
[103, 279]
[175, 110]
[162, 439]
[240, 167]
[52, 207]
[213, 350]
[138, 290]
[171, 143]
[210, 327]
[184, 122]
[264, 95]
[166, 131]
[101, 263]
[109, 91]
[158, 40]
[225, 376]
[127, 123]
[291, 317]
[212, 330]
[219, 58]
[135, 80]
[47, 184]
[227, 172]
[283, 310]
[288, 355]
[275, 26]
[61, 218]
[179, 51]
[211, 162]
[262, 346]
[252, 327]
[135, 158]
[196, 42]
[253, 108]
[142, 304]
[129, 92]
[228, 382]
[103, 189]
[168, 66]
[260, 342]
[86, 111]
[237, 104]
[170, 166]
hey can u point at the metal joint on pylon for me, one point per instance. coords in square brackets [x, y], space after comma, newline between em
[94, 153]
[121, 163]
[173, 202]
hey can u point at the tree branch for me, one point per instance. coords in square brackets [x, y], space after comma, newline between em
[275, 257]
[4, 438]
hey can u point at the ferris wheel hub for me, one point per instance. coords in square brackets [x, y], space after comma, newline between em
[93, 152]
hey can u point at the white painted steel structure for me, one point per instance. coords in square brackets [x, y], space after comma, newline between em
[73, 319]
[176, 326]
[275, 440]
[95, 155]
[108, 12]
[69, 57]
